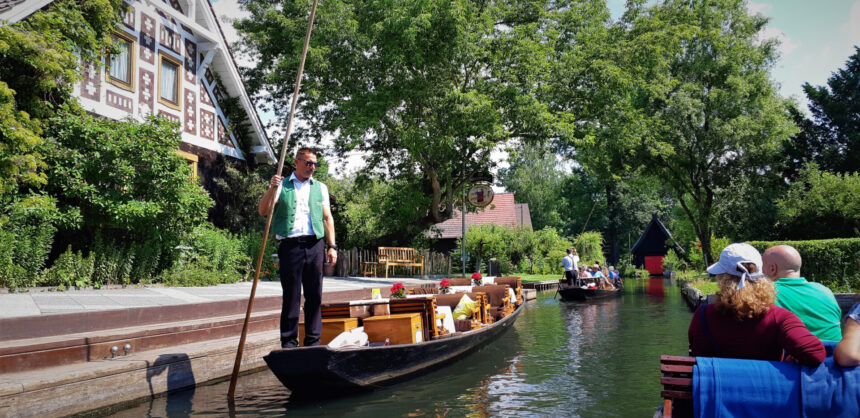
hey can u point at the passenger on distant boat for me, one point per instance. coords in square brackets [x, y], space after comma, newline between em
[744, 322]
[847, 352]
[570, 267]
[813, 303]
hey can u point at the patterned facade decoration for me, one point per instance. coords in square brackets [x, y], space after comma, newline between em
[119, 101]
[190, 62]
[91, 84]
[169, 116]
[209, 77]
[190, 112]
[127, 16]
[223, 136]
[147, 38]
[169, 38]
[204, 96]
[147, 92]
[207, 124]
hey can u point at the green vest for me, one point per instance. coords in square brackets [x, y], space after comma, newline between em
[285, 209]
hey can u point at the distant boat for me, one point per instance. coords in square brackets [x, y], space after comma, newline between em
[323, 371]
[578, 293]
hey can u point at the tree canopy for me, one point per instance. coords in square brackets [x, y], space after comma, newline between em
[427, 89]
[693, 89]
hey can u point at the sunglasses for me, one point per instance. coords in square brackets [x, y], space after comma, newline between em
[310, 163]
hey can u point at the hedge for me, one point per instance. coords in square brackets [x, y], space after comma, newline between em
[834, 263]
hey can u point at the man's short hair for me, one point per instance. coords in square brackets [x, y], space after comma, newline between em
[570, 250]
[305, 151]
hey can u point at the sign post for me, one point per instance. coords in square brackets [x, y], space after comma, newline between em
[480, 195]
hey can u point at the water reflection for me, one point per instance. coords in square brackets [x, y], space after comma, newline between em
[597, 358]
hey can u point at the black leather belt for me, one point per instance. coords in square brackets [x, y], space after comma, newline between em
[302, 239]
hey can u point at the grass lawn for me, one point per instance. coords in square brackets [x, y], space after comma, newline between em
[537, 277]
[700, 280]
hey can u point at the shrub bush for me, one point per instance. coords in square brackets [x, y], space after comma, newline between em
[71, 269]
[25, 241]
[834, 263]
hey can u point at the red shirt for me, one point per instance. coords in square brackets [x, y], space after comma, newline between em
[763, 338]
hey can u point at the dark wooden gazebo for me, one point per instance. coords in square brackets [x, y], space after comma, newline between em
[652, 246]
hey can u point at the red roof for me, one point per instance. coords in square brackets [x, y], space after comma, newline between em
[503, 211]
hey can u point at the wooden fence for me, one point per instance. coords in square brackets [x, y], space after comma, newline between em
[349, 262]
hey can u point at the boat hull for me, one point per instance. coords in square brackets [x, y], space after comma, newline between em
[576, 293]
[323, 371]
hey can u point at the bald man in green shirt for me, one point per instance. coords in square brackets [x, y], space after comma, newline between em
[813, 303]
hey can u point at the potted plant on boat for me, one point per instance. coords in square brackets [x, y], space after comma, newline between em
[477, 279]
[398, 291]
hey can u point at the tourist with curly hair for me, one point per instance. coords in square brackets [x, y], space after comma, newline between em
[744, 322]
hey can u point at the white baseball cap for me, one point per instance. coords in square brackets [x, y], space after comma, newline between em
[732, 261]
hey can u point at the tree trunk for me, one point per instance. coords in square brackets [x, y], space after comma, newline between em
[612, 205]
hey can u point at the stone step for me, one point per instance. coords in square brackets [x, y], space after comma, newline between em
[81, 387]
[47, 325]
[51, 351]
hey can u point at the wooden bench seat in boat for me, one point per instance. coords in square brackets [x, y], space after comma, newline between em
[460, 281]
[498, 298]
[677, 381]
[515, 283]
[422, 290]
[426, 307]
[478, 313]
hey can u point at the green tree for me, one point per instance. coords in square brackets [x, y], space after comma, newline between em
[428, 89]
[536, 177]
[821, 205]
[836, 113]
[697, 98]
[39, 61]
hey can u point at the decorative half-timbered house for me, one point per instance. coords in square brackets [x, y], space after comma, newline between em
[173, 60]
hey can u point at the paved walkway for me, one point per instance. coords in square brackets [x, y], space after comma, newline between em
[50, 302]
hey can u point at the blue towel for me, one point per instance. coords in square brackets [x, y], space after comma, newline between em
[726, 388]
[752, 388]
[830, 390]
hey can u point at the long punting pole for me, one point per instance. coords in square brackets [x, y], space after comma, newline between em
[238, 363]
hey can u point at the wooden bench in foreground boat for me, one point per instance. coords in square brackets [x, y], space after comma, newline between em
[515, 283]
[403, 328]
[677, 384]
[480, 313]
[498, 299]
[399, 256]
[331, 328]
[426, 307]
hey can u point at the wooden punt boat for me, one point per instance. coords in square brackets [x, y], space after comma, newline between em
[322, 371]
[578, 293]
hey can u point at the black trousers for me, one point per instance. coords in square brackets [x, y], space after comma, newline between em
[569, 275]
[301, 266]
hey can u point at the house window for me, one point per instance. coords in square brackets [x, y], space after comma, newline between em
[169, 79]
[191, 159]
[121, 64]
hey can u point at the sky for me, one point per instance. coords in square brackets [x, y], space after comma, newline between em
[816, 39]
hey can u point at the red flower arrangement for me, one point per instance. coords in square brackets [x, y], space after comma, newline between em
[444, 286]
[398, 291]
[477, 279]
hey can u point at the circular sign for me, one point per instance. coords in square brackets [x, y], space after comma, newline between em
[481, 195]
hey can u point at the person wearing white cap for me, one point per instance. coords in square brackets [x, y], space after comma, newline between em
[743, 322]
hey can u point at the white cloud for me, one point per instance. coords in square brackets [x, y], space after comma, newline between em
[786, 45]
[758, 8]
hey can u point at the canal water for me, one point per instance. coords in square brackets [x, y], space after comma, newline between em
[589, 359]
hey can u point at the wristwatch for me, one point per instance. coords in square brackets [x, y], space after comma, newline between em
[333, 246]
